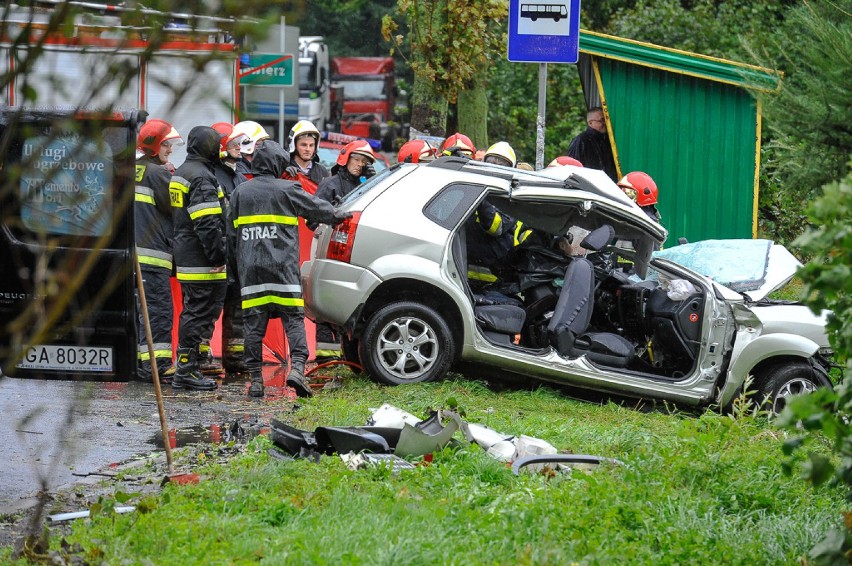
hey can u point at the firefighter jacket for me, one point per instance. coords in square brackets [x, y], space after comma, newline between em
[265, 232]
[197, 209]
[314, 177]
[334, 188]
[227, 177]
[153, 214]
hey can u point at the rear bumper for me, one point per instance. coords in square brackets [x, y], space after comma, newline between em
[333, 290]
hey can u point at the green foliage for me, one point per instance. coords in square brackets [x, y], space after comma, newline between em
[810, 119]
[691, 486]
[828, 276]
[708, 27]
[825, 415]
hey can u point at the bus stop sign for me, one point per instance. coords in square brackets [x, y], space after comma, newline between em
[542, 31]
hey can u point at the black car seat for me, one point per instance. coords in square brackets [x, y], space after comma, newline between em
[499, 322]
[568, 328]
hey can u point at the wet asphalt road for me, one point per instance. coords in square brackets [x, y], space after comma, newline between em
[61, 431]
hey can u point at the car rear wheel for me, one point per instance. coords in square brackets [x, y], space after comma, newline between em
[406, 342]
[781, 382]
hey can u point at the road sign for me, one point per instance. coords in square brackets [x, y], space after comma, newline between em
[267, 69]
[544, 31]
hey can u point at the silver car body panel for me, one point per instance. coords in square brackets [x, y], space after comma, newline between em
[395, 240]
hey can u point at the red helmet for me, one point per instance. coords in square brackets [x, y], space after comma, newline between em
[358, 146]
[224, 129]
[564, 160]
[460, 143]
[640, 187]
[416, 151]
[151, 136]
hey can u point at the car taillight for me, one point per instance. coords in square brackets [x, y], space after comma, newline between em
[342, 239]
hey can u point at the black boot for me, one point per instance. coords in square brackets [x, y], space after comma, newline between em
[256, 388]
[296, 379]
[187, 375]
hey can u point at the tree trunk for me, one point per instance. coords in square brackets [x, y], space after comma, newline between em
[472, 111]
[428, 108]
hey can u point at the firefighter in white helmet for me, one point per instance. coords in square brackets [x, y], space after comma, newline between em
[304, 165]
[501, 153]
[254, 136]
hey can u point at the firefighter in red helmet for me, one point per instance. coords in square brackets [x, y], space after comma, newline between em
[642, 189]
[458, 145]
[153, 218]
[563, 160]
[354, 166]
[416, 151]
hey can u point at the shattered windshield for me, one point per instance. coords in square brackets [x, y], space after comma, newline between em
[740, 265]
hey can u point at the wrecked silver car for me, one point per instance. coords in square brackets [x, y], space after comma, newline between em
[604, 313]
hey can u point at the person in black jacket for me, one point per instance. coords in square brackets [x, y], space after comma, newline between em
[199, 248]
[265, 234]
[153, 219]
[592, 147]
[233, 340]
[354, 166]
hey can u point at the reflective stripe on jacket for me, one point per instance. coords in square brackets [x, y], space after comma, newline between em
[153, 215]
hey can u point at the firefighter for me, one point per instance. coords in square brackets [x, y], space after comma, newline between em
[564, 160]
[354, 166]
[458, 145]
[254, 137]
[304, 165]
[233, 343]
[642, 190]
[199, 248]
[153, 219]
[265, 234]
[416, 151]
[501, 153]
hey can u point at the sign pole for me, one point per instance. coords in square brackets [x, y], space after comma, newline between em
[281, 133]
[543, 33]
[540, 121]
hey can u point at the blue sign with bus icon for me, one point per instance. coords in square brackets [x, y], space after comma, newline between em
[544, 32]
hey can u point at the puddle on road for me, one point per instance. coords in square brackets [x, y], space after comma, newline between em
[240, 431]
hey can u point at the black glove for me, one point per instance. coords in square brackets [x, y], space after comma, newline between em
[369, 171]
[340, 216]
[292, 171]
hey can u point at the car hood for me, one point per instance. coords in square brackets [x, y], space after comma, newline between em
[753, 268]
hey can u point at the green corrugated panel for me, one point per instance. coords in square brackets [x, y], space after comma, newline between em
[689, 121]
[695, 137]
[675, 61]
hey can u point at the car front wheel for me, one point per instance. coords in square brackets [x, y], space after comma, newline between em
[406, 342]
[779, 383]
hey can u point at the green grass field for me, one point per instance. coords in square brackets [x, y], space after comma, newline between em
[696, 488]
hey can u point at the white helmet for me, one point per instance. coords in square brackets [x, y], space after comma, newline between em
[253, 131]
[501, 153]
[302, 128]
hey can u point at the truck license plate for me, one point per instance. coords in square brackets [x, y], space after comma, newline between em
[68, 358]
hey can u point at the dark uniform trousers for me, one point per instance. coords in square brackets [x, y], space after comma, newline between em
[202, 305]
[255, 321]
[158, 297]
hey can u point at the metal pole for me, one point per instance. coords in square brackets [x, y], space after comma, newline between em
[155, 372]
[282, 49]
[539, 126]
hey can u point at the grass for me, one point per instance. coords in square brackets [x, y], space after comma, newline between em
[696, 489]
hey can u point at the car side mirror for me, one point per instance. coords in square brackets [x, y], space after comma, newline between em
[597, 239]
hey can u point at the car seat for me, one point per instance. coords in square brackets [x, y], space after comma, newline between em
[568, 328]
[498, 322]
